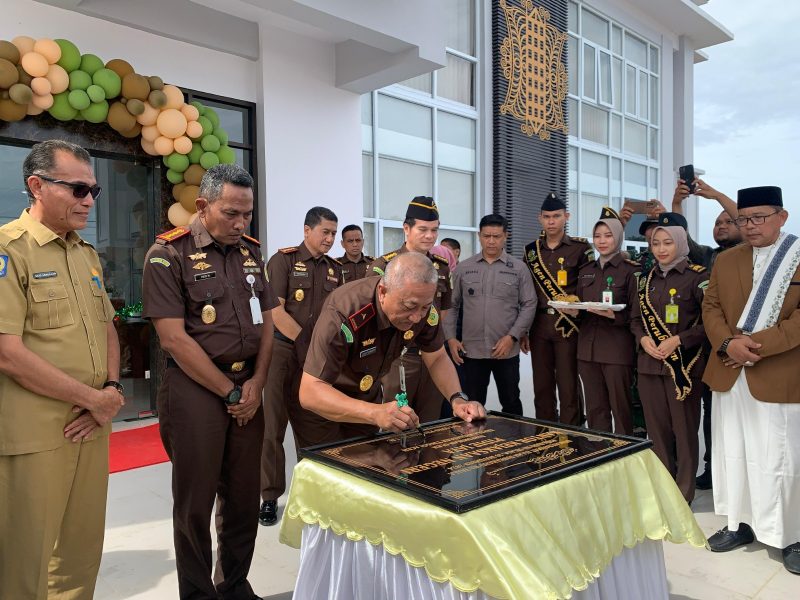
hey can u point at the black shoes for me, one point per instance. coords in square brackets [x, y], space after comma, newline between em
[268, 515]
[791, 558]
[703, 482]
[725, 540]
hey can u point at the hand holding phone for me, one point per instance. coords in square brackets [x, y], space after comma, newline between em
[686, 172]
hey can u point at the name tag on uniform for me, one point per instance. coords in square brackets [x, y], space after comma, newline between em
[203, 276]
[367, 352]
[45, 275]
[300, 273]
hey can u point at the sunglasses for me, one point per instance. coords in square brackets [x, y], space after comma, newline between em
[79, 190]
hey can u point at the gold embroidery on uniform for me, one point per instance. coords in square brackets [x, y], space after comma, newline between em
[368, 342]
[198, 256]
[365, 383]
[201, 266]
[408, 335]
[299, 295]
[249, 263]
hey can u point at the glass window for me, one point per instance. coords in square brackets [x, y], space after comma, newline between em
[635, 185]
[594, 124]
[616, 39]
[653, 183]
[366, 122]
[455, 81]
[573, 68]
[643, 102]
[572, 116]
[572, 18]
[635, 138]
[456, 197]
[589, 73]
[400, 181]
[460, 25]
[420, 82]
[370, 241]
[654, 62]
[393, 238]
[595, 28]
[404, 130]
[616, 182]
[616, 132]
[616, 81]
[605, 78]
[455, 142]
[654, 100]
[235, 120]
[572, 172]
[630, 89]
[13, 198]
[653, 144]
[367, 183]
[465, 238]
[594, 189]
[635, 50]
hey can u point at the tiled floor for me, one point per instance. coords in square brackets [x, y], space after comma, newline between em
[139, 561]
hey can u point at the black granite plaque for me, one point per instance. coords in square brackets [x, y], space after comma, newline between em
[461, 466]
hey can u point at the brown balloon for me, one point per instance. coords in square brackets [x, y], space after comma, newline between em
[119, 118]
[135, 107]
[177, 189]
[194, 174]
[120, 67]
[132, 133]
[11, 111]
[157, 99]
[9, 51]
[135, 86]
[8, 73]
[188, 196]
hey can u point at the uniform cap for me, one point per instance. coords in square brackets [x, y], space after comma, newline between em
[423, 208]
[553, 202]
[609, 213]
[647, 224]
[767, 195]
[670, 219]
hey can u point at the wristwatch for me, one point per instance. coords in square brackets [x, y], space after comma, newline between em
[116, 385]
[461, 395]
[233, 396]
[723, 349]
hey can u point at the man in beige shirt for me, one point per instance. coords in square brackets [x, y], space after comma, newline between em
[59, 362]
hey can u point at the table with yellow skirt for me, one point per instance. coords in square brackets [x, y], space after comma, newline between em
[596, 534]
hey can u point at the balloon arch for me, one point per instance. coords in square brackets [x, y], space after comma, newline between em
[52, 75]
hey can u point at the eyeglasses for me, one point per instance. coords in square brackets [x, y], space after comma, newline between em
[79, 190]
[755, 219]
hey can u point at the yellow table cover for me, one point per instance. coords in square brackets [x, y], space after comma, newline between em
[542, 543]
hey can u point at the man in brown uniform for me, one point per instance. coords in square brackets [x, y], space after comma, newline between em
[210, 302]
[302, 277]
[363, 328]
[554, 260]
[354, 261]
[421, 228]
[59, 362]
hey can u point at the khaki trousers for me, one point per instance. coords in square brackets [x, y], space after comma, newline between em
[52, 519]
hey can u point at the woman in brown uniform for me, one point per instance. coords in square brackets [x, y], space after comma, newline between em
[667, 321]
[606, 348]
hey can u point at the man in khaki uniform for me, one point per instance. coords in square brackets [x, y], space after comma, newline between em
[354, 261]
[59, 362]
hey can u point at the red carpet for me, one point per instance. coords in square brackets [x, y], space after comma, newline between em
[134, 448]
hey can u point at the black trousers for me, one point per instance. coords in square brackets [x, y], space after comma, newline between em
[506, 376]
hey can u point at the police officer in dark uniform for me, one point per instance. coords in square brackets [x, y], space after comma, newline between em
[354, 261]
[554, 260]
[421, 228]
[208, 297]
[302, 277]
[365, 326]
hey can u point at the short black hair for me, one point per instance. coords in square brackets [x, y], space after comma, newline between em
[213, 182]
[353, 227]
[452, 243]
[494, 220]
[317, 214]
[41, 160]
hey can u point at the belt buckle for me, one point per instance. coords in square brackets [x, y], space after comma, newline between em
[237, 366]
[551, 311]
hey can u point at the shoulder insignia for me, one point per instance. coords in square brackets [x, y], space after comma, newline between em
[173, 234]
[632, 262]
[348, 335]
[580, 239]
[367, 258]
[288, 250]
[530, 256]
[441, 259]
[361, 316]
[433, 317]
[590, 253]
[251, 239]
[703, 285]
[388, 257]
[157, 260]
[378, 270]
[697, 268]
[335, 260]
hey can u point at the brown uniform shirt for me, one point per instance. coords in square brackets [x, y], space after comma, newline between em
[53, 296]
[690, 282]
[186, 269]
[354, 343]
[603, 340]
[576, 253]
[351, 271]
[444, 289]
[303, 282]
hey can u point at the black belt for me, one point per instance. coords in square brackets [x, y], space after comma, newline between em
[225, 367]
[279, 336]
[413, 350]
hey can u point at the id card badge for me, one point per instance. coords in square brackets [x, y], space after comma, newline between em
[562, 274]
[672, 308]
[255, 305]
[608, 295]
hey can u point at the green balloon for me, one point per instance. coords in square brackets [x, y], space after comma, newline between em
[212, 116]
[109, 81]
[177, 162]
[91, 63]
[206, 125]
[79, 80]
[200, 108]
[70, 55]
[195, 153]
[221, 134]
[174, 177]
[210, 143]
[226, 155]
[208, 160]
[96, 113]
[96, 93]
[79, 99]
[61, 109]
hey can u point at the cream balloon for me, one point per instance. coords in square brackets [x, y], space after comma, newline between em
[35, 64]
[183, 145]
[174, 97]
[58, 78]
[148, 147]
[164, 146]
[150, 133]
[193, 218]
[190, 112]
[49, 49]
[44, 101]
[194, 130]
[24, 44]
[34, 110]
[178, 215]
[41, 86]
[171, 123]
[149, 116]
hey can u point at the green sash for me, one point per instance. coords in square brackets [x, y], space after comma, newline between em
[550, 288]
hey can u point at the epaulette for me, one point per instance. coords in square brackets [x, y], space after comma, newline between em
[288, 250]
[579, 239]
[633, 262]
[697, 268]
[388, 257]
[367, 258]
[251, 239]
[361, 316]
[9, 233]
[441, 259]
[336, 260]
[173, 234]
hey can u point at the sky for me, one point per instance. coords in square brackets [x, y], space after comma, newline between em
[747, 120]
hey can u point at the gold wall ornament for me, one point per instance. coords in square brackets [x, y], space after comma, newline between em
[530, 57]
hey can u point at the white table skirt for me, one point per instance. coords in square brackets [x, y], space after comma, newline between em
[335, 568]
